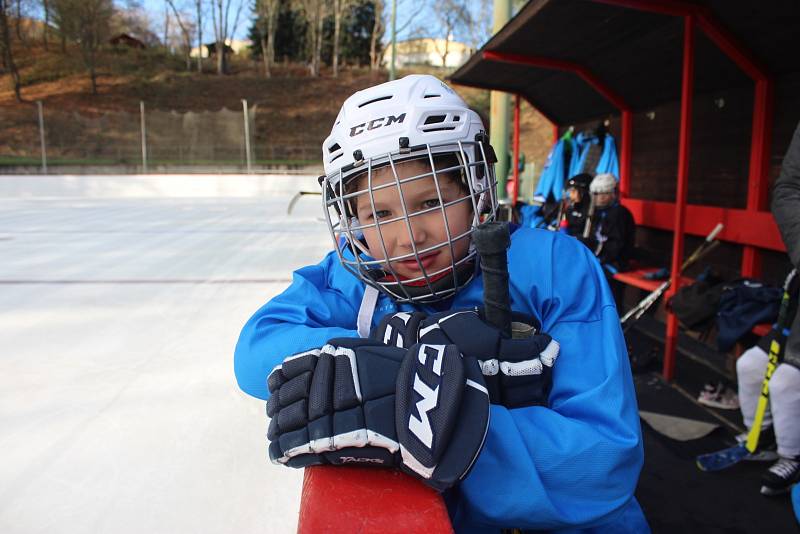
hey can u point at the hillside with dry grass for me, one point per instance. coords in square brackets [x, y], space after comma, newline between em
[293, 111]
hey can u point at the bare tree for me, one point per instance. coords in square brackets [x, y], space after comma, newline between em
[6, 49]
[377, 32]
[166, 25]
[18, 21]
[87, 23]
[479, 23]
[46, 27]
[185, 32]
[267, 11]
[198, 6]
[340, 8]
[220, 15]
[315, 12]
[452, 15]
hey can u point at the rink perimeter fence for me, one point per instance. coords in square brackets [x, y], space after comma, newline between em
[42, 139]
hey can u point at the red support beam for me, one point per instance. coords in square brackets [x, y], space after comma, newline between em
[559, 64]
[515, 172]
[684, 145]
[730, 45]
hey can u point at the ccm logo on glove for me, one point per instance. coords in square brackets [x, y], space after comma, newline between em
[517, 371]
[421, 426]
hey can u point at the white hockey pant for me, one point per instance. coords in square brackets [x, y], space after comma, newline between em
[783, 411]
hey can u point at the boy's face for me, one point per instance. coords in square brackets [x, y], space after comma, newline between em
[428, 229]
[574, 195]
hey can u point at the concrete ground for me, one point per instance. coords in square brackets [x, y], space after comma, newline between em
[119, 410]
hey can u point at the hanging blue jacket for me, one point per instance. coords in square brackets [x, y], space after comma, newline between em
[572, 467]
[551, 181]
[608, 162]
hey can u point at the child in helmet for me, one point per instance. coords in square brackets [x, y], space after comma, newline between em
[613, 229]
[577, 202]
[381, 355]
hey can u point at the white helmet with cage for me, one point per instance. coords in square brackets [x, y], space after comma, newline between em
[379, 129]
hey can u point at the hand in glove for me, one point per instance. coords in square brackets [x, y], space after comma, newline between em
[424, 409]
[518, 371]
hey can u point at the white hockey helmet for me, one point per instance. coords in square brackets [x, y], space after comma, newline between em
[603, 183]
[417, 117]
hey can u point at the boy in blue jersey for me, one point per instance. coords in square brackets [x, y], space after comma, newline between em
[380, 353]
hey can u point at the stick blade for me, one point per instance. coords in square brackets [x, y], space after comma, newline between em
[719, 460]
[362, 499]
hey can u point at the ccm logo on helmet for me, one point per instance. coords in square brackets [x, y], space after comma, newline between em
[376, 123]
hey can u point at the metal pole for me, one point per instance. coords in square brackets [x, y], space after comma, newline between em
[392, 73]
[247, 136]
[500, 106]
[41, 136]
[515, 172]
[144, 137]
[684, 145]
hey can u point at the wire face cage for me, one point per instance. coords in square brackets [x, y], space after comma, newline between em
[402, 222]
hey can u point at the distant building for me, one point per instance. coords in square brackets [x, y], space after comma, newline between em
[123, 39]
[231, 45]
[428, 51]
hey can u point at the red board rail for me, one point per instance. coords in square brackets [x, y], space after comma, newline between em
[338, 499]
[745, 227]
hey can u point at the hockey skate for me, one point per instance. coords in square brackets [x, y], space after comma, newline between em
[781, 476]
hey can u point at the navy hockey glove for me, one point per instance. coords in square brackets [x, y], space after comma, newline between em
[424, 409]
[518, 372]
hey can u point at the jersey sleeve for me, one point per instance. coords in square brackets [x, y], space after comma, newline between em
[308, 313]
[575, 464]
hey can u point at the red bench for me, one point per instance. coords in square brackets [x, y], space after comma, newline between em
[636, 279]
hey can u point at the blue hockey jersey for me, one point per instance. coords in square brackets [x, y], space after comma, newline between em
[608, 162]
[551, 181]
[572, 467]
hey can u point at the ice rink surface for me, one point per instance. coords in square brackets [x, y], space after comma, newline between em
[119, 409]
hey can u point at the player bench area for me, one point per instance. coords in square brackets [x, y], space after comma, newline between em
[639, 278]
[761, 234]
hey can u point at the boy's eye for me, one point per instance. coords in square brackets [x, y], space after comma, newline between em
[431, 203]
[368, 215]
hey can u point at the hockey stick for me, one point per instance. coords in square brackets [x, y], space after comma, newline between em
[587, 228]
[705, 247]
[297, 197]
[725, 458]
[492, 240]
